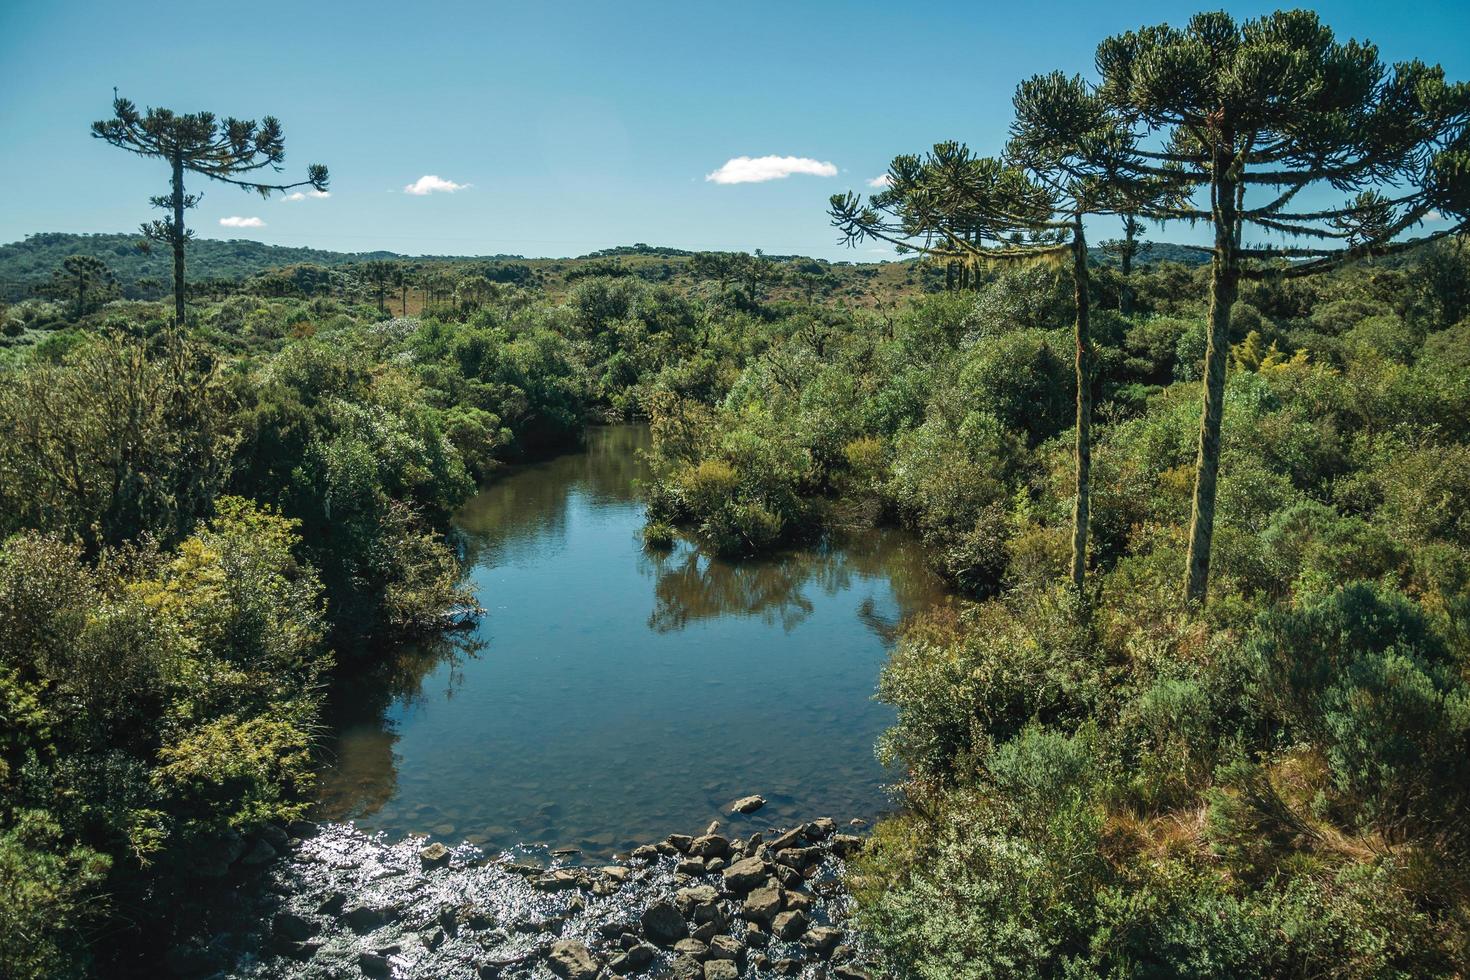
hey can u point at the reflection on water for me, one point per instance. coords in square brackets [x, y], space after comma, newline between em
[612, 696]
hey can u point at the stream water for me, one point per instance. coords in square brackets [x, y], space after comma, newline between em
[612, 695]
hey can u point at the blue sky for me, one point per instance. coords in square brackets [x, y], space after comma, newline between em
[574, 126]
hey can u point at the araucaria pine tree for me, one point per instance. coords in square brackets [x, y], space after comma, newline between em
[228, 150]
[1283, 129]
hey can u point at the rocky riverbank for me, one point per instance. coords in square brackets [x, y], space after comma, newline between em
[343, 904]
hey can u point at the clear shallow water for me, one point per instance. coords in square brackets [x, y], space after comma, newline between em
[612, 696]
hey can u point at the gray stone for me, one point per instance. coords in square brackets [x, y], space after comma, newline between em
[822, 939]
[572, 960]
[364, 918]
[821, 828]
[436, 855]
[710, 845]
[791, 838]
[690, 900]
[633, 960]
[555, 881]
[727, 948]
[691, 947]
[747, 804]
[721, 970]
[332, 904]
[762, 905]
[663, 924]
[373, 964]
[292, 927]
[800, 901]
[789, 925]
[745, 874]
[686, 968]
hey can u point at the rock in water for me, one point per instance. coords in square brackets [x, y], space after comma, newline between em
[663, 924]
[745, 874]
[721, 970]
[789, 925]
[747, 804]
[436, 855]
[572, 960]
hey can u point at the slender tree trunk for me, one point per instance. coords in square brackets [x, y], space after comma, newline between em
[1081, 507]
[1224, 286]
[1130, 235]
[178, 240]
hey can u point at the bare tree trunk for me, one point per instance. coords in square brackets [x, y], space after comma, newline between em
[1081, 507]
[1224, 286]
[177, 239]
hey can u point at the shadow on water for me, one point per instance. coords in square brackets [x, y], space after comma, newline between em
[611, 696]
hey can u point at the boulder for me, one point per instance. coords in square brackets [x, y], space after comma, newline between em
[663, 924]
[721, 970]
[755, 937]
[691, 868]
[616, 872]
[822, 940]
[727, 948]
[293, 928]
[699, 903]
[691, 947]
[745, 874]
[332, 904]
[572, 960]
[635, 959]
[789, 925]
[706, 931]
[679, 842]
[800, 901]
[762, 905]
[555, 881]
[436, 855]
[686, 968]
[792, 838]
[845, 844]
[747, 804]
[364, 918]
[710, 846]
[373, 964]
[820, 829]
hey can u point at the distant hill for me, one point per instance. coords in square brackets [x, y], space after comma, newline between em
[26, 263]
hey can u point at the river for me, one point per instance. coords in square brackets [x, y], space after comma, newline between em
[612, 695]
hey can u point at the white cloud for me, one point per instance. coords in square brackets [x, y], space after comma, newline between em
[1434, 216]
[881, 181]
[750, 170]
[303, 195]
[235, 221]
[429, 183]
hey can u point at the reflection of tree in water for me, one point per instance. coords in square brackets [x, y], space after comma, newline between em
[528, 504]
[359, 775]
[690, 586]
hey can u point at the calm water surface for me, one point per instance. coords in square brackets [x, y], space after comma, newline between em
[612, 696]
